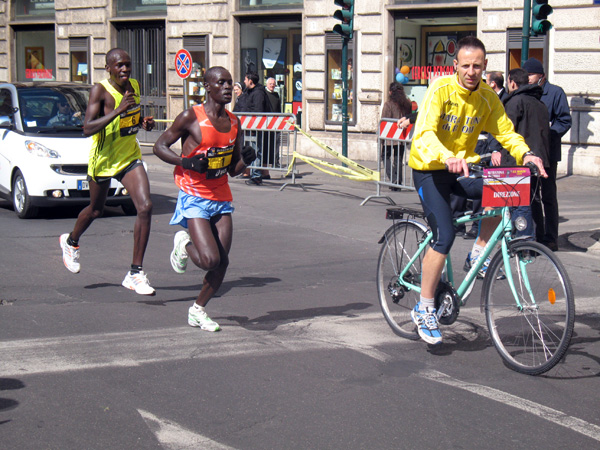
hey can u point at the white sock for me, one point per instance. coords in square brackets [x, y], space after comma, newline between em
[476, 251]
[198, 307]
[427, 302]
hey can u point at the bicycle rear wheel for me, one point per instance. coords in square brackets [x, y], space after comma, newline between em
[400, 243]
[534, 337]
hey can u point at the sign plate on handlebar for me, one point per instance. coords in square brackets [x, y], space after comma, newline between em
[506, 186]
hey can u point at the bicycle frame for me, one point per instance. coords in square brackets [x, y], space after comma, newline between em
[501, 234]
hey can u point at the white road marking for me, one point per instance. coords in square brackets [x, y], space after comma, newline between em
[536, 409]
[362, 333]
[134, 348]
[173, 436]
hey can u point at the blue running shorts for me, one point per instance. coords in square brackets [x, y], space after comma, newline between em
[434, 188]
[190, 207]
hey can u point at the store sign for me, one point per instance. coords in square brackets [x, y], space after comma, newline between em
[430, 72]
[38, 74]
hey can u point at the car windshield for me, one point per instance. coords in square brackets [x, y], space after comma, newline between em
[53, 109]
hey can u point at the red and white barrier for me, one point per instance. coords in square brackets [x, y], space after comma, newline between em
[388, 129]
[267, 122]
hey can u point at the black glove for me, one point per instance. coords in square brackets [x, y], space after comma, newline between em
[197, 163]
[248, 154]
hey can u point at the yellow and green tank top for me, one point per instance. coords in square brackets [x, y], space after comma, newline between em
[116, 146]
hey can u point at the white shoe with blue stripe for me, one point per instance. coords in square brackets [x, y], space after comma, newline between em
[427, 324]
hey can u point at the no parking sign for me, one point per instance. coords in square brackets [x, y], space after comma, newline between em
[183, 63]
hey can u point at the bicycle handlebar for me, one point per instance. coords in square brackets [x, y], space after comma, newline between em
[476, 170]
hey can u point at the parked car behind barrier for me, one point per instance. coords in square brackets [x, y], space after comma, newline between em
[43, 152]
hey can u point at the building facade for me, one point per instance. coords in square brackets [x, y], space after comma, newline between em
[292, 40]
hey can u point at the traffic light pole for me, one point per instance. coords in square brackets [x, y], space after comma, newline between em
[526, 31]
[345, 97]
[345, 29]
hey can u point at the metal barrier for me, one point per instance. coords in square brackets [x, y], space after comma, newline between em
[393, 148]
[273, 136]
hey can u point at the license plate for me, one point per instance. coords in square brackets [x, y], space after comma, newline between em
[83, 185]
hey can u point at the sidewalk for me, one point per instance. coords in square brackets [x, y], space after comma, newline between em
[579, 201]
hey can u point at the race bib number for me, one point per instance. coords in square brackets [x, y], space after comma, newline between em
[506, 186]
[219, 160]
[130, 121]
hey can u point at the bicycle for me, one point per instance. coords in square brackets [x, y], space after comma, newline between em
[527, 296]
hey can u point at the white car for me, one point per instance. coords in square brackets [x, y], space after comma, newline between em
[43, 152]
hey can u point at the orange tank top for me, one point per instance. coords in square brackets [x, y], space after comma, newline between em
[218, 148]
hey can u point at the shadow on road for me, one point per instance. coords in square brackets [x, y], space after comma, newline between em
[243, 282]
[8, 384]
[273, 319]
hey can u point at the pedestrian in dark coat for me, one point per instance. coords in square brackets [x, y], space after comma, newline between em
[530, 119]
[560, 122]
[257, 101]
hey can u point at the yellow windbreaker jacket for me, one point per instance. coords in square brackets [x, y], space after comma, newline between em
[450, 120]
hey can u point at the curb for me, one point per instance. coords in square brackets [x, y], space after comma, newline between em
[588, 241]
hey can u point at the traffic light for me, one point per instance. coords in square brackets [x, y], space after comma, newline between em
[540, 10]
[346, 16]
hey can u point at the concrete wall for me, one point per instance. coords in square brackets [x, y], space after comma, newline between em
[369, 26]
[573, 64]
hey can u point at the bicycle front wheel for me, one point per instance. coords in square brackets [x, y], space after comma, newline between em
[532, 331]
[400, 243]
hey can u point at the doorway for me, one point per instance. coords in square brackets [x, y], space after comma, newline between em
[146, 44]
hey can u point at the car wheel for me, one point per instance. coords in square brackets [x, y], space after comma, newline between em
[129, 209]
[21, 199]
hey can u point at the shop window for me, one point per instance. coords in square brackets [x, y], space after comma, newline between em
[425, 46]
[35, 53]
[412, 2]
[334, 82]
[33, 9]
[274, 49]
[79, 49]
[296, 91]
[270, 4]
[129, 7]
[198, 48]
[538, 48]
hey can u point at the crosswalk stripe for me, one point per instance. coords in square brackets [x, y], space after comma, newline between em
[363, 333]
[173, 436]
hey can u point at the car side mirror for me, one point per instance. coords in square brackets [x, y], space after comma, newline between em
[6, 122]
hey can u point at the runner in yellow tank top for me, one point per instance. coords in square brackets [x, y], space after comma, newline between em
[113, 119]
[211, 140]
[115, 146]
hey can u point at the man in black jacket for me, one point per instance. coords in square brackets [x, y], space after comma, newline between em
[560, 122]
[530, 118]
[495, 80]
[257, 101]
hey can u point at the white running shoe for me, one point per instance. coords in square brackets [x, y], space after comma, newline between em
[70, 254]
[139, 283]
[179, 256]
[199, 318]
[427, 324]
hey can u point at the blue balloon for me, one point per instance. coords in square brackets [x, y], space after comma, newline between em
[400, 77]
[406, 79]
[397, 70]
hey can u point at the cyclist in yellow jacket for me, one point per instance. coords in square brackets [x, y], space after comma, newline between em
[455, 110]
[113, 119]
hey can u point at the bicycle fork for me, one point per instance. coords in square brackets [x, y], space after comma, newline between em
[521, 268]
